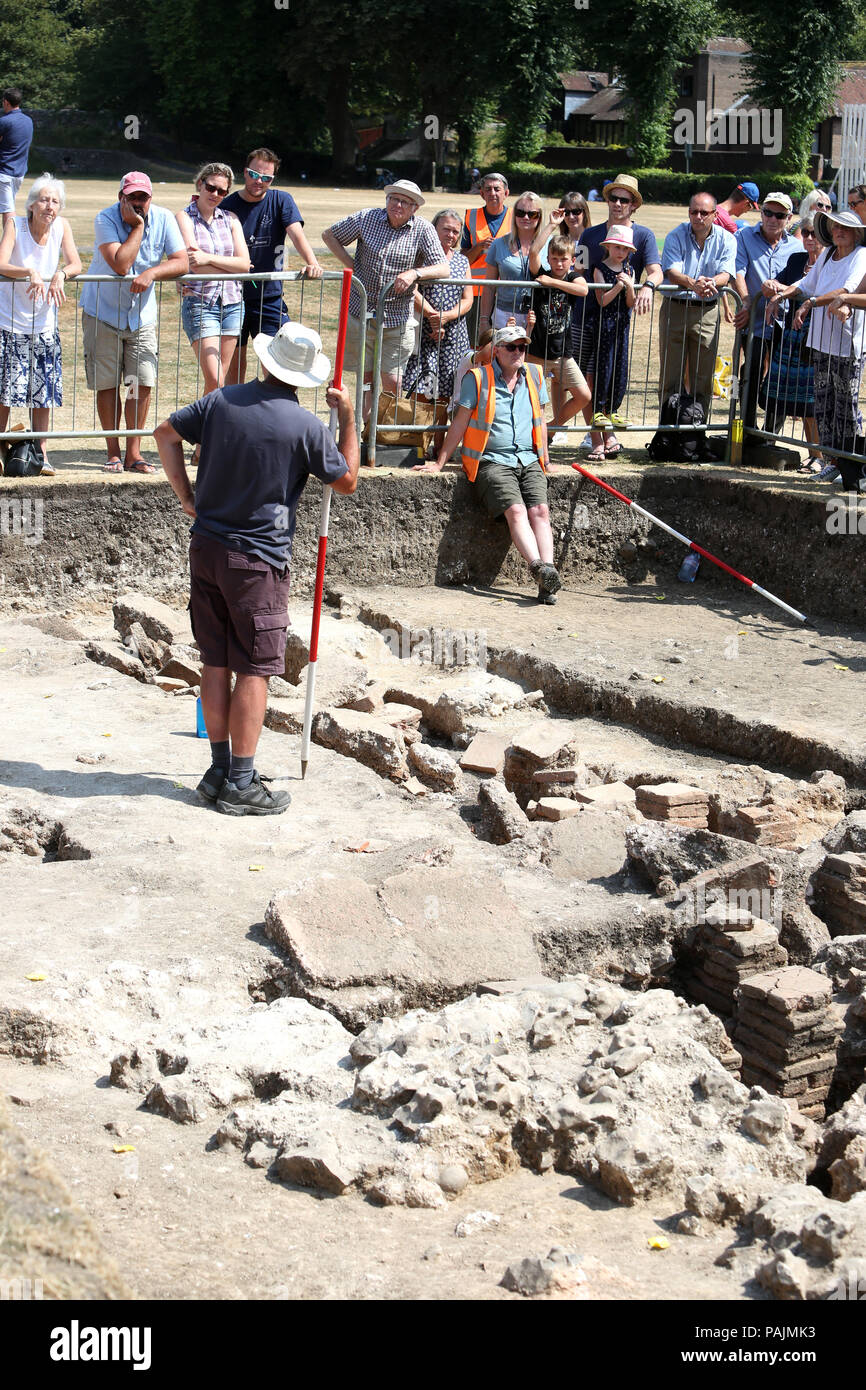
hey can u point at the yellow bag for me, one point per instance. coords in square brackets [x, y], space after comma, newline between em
[722, 378]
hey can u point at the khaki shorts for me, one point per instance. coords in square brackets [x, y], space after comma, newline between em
[398, 345]
[499, 487]
[564, 370]
[113, 355]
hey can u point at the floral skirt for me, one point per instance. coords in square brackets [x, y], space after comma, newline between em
[30, 369]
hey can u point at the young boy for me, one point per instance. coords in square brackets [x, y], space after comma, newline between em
[550, 344]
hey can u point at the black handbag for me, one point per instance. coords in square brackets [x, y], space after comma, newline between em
[24, 460]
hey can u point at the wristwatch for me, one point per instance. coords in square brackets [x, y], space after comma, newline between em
[813, 300]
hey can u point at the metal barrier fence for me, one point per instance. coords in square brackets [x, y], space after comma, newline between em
[811, 374]
[179, 377]
[632, 362]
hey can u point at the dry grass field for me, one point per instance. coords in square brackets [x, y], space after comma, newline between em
[179, 378]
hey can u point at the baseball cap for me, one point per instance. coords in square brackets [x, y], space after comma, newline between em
[136, 182]
[511, 333]
[750, 191]
[782, 199]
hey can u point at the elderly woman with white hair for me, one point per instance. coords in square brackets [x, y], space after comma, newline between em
[31, 291]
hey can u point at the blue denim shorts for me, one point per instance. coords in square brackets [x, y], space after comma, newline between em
[210, 320]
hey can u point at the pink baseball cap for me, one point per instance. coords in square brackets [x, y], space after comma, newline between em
[136, 182]
[619, 236]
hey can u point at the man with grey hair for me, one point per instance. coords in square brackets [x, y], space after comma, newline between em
[391, 244]
[481, 227]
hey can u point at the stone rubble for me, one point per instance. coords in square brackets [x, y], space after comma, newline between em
[675, 803]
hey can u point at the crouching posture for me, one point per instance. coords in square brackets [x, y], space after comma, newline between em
[500, 421]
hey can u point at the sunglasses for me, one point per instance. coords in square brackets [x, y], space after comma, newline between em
[777, 216]
[615, 198]
[259, 178]
[573, 212]
[702, 212]
[855, 202]
[213, 188]
[807, 231]
[526, 212]
[514, 347]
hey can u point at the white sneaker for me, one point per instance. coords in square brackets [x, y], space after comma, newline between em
[559, 439]
[586, 442]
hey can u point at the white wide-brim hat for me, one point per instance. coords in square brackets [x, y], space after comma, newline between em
[845, 217]
[293, 355]
[408, 190]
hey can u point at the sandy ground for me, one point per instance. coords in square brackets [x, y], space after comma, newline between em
[175, 888]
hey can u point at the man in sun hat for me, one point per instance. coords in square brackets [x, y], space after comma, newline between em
[762, 253]
[501, 424]
[699, 257]
[389, 241]
[742, 199]
[623, 198]
[258, 448]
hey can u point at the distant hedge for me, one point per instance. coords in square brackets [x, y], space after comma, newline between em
[656, 185]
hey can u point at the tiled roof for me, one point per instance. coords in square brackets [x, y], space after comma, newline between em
[583, 81]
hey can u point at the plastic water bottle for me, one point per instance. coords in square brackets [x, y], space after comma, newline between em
[689, 567]
[200, 730]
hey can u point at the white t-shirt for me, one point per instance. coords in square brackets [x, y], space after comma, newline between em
[827, 334]
[18, 312]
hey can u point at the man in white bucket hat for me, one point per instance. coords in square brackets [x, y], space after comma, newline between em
[389, 241]
[258, 448]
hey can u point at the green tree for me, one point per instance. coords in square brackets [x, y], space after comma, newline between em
[646, 42]
[36, 51]
[793, 66]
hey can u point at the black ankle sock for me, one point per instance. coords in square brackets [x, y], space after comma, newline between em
[220, 754]
[241, 771]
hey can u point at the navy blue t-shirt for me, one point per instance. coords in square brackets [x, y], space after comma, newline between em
[646, 249]
[16, 133]
[258, 447]
[265, 225]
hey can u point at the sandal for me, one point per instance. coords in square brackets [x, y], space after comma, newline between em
[139, 467]
[611, 450]
[597, 456]
[810, 467]
[113, 466]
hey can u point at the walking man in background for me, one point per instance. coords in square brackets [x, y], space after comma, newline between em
[16, 135]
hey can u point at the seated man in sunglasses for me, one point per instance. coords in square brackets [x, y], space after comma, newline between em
[500, 421]
[267, 215]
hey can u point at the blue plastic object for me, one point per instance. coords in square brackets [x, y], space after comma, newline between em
[689, 567]
[200, 730]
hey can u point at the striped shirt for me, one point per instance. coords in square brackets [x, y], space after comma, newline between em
[382, 252]
[214, 238]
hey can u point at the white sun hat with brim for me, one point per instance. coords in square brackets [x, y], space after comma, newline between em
[511, 333]
[408, 190]
[845, 217]
[293, 355]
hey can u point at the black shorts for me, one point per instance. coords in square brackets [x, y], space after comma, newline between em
[262, 316]
[238, 608]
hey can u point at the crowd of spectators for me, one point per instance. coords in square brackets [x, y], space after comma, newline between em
[571, 286]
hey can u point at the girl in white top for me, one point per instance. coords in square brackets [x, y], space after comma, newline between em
[30, 364]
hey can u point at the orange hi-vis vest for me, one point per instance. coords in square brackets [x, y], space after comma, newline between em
[478, 227]
[481, 420]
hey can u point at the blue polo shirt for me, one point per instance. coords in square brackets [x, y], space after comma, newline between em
[759, 261]
[682, 253]
[510, 440]
[114, 303]
[16, 133]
